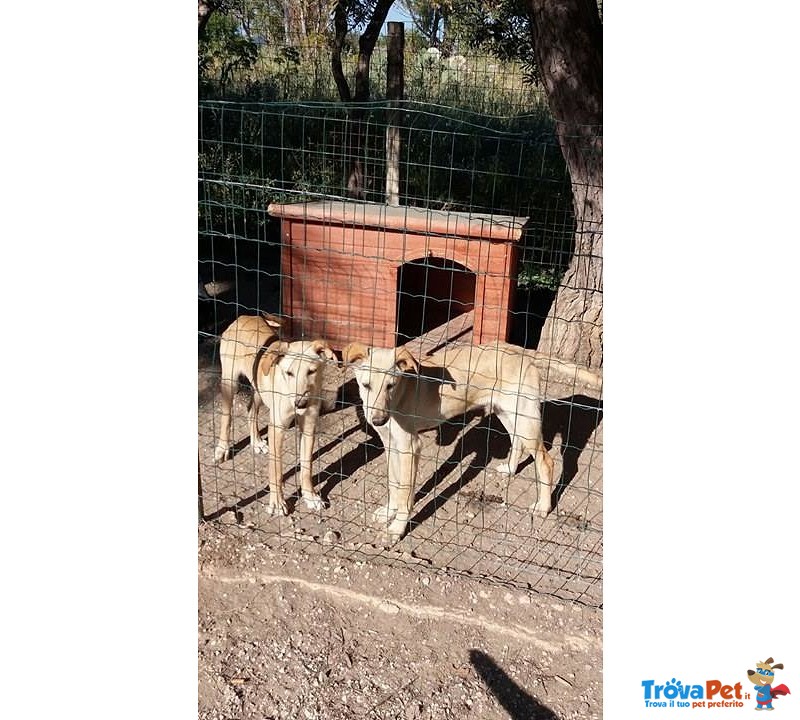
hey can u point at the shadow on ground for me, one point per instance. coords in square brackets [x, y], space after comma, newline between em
[517, 702]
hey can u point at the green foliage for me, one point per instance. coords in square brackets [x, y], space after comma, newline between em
[223, 50]
[499, 27]
[532, 275]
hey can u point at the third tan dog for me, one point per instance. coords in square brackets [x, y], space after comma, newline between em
[287, 378]
[402, 397]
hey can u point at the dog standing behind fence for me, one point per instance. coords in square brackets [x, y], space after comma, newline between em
[402, 397]
[287, 378]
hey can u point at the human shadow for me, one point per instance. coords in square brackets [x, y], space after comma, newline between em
[517, 702]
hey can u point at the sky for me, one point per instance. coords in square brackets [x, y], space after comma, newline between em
[398, 14]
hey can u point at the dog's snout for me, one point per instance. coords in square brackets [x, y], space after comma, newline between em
[302, 401]
[380, 418]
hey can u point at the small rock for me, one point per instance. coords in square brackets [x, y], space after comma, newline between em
[331, 537]
[388, 608]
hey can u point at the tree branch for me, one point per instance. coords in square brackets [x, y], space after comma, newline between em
[340, 33]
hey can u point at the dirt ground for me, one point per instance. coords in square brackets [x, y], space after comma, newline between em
[296, 634]
[481, 611]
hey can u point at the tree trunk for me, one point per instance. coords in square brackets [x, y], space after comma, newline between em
[204, 10]
[339, 35]
[568, 41]
[366, 45]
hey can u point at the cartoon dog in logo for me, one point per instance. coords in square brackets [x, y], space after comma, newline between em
[762, 678]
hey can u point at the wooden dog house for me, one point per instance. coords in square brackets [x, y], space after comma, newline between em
[382, 275]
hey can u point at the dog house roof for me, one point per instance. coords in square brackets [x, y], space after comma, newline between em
[478, 226]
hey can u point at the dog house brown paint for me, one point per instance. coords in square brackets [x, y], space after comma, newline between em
[339, 266]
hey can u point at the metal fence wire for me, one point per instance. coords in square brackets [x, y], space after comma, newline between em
[472, 251]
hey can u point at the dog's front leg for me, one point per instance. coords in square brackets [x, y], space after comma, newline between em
[306, 424]
[258, 444]
[511, 422]
[401, 487]
[277, 503]
[385, 513]
[227, 391]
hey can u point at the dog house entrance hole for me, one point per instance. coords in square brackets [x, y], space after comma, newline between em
[430, 292]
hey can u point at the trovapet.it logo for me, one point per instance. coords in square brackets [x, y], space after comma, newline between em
[711, 693]
[717, 694]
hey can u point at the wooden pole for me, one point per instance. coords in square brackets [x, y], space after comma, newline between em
[201, 515]
[395, 45]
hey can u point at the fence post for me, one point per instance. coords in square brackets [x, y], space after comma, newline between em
[201, 515]
[395, 46]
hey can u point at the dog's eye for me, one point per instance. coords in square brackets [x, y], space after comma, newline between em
[290, 373]
[367, 386]
[312, 371]
[389, 386]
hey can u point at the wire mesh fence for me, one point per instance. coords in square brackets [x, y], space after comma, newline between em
[302, 72]
[293, 221]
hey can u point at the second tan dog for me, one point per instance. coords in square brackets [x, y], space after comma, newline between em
[402, 397]
[287, 378]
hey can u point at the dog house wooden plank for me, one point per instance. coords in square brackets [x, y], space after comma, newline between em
[479, 226]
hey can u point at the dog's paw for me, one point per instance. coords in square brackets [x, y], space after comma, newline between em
[383, 515]
[313, 502]
[396, 530]
[277, 506]
[261, 447]
[541, 508]
[221, 452]
[505, 469]
[387, 539]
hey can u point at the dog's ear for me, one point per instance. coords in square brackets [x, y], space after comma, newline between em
[321, 348]
[354, 352]
[272, 356]
[273, 320]
[405, 361]
[777, 666]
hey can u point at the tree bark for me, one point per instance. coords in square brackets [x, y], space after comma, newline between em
[339, 35]
[366, 45]
[568, 42]
[204, 10]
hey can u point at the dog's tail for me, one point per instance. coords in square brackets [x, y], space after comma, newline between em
[570, 372]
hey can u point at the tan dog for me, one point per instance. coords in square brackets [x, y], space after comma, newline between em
[401, 397]
[287, 378]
